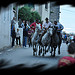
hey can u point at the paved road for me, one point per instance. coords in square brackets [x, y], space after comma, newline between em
[24, 56]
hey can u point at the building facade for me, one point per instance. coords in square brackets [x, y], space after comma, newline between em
[43, 10]
[6, 15]
[54, 12]
[48, 10]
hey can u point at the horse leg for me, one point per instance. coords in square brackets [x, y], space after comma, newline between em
[59, 49]
[43, 51]
[33, 51]
[51, 50]
[48, 48]
[36, 49]
[39, 50]
[54, 51]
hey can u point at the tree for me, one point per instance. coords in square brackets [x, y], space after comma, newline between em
[24, 13]
[35, 15]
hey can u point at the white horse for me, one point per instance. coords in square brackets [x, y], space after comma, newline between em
[35, 39]
[46, 41]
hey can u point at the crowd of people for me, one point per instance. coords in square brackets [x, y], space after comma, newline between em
[68, 38]
[28, 31]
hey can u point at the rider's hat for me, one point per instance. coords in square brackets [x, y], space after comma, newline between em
[46, 18]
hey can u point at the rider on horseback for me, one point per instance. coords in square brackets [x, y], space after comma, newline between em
[46, 25]
[33, 25]
[59, 29]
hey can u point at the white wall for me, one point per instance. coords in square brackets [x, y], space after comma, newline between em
[45, 13]
[6, 15]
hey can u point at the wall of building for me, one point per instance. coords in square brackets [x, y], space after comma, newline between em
[54, 12]
[45, 12]
[6, 15]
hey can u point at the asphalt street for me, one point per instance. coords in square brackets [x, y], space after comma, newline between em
[25, 56]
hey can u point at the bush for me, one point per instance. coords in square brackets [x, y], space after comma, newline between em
[25, 13]
[35, 16]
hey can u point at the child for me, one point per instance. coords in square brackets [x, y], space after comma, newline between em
[70, 59]
[25, 35]
[18, 37]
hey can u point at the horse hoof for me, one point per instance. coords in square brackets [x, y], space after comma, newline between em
[53, 55]
[39, 54]
[33, 54]
[43, 55]
[45, 52]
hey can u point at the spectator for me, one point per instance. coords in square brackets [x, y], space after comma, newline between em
[19, 23]
[13, 36]
[13, 22]
[74, 39]
[18, 37]
[25, 35]
[65, 37]
[70, 59]
[22, 25]
[27, 25]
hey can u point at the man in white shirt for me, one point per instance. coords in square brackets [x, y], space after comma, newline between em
[46, 25]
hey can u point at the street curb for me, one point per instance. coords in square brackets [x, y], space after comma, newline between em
[5, 48]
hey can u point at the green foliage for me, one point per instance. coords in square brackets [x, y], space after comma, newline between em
[25, 13]
[35, 16]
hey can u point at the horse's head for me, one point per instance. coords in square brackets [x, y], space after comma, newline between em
[55, 29]
[37, 28]
[50, 30]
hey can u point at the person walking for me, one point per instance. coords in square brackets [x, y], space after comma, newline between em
[25, 35]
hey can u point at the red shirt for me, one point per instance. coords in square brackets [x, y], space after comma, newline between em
[65, 61]
[34, 25]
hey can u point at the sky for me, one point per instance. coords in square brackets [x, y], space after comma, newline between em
[67, 18]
